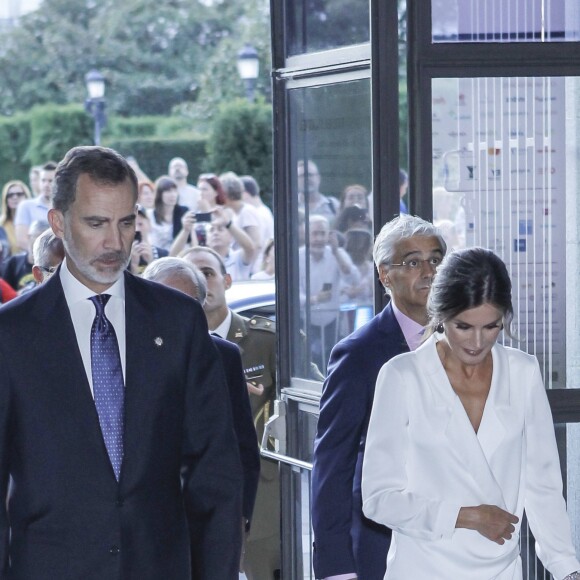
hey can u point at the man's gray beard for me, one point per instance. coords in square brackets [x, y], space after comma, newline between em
[88, 270]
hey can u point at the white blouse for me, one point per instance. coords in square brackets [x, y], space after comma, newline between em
[424, 461]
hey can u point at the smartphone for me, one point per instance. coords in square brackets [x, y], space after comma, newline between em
[327, 287]
[203, 216]
[138, 237]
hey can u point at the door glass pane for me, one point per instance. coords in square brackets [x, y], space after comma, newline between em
[505, 163]
[332, 242]
[505, 20]
[315, 25]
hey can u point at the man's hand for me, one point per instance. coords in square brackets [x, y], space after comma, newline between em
[490, 521]
[222, 215]
[255, 389]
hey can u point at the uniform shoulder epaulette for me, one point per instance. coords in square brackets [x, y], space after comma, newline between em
[262, 323]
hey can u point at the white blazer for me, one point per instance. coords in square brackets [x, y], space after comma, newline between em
[424, 461]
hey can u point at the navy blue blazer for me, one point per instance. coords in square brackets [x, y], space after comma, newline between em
[243, 422]
[344, 540]
[176, 510]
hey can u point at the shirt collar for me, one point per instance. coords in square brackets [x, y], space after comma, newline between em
[76, 291]
[223, 329]
[412, 331]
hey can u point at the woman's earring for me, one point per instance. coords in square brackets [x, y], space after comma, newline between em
[439, 328]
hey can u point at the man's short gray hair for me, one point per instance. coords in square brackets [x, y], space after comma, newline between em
[163, 268]
[45, 247]
[402, 227]
[232, 185]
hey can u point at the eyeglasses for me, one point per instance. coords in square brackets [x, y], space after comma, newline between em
[15, 194]
[416, 264]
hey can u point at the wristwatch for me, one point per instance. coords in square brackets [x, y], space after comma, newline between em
[573, 576]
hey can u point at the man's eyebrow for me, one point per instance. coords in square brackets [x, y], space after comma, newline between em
[99, 218]
[418, 253]
[96, 218]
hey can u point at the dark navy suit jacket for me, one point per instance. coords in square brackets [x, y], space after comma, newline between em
[243, 422]
[344, 540]
[176, 510]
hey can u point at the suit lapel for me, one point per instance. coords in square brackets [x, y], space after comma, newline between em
[449, 415]
[393, 337]
[146, 343]
[63, 371]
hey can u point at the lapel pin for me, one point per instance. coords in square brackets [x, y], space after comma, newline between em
[239, 334]
[158, 341]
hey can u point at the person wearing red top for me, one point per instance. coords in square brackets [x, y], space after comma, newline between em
[6, 291]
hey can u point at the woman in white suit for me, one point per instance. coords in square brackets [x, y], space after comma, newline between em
[461, 441]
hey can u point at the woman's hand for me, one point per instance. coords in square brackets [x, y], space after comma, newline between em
[188, 221]
[490, 521]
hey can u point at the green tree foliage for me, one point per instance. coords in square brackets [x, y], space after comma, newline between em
[241, 141]
[153, 54]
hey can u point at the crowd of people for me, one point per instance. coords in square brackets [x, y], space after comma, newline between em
[225, 213]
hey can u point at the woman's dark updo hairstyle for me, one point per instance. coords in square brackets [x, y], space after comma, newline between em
[467, 279]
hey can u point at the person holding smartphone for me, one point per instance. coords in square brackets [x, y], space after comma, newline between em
[142, 251]
[221, 235]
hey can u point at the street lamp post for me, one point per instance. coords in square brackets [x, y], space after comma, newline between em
[95, 103]
[248, 69]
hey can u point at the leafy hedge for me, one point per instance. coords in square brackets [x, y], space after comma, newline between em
[55, 129]
[240, 141]
[14, 140]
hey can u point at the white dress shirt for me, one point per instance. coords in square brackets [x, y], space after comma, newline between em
[82, 312]
[223, 329]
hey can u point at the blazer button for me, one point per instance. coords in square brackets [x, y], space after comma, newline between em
[119, 503]
[114, 550]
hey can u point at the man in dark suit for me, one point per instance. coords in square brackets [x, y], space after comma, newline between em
[120, 452]
[183, 276]
[346, 544]
[256, 338]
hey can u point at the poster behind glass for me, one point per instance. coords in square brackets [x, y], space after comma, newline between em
[505, 20]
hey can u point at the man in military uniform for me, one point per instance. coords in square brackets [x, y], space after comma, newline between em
[256, 338]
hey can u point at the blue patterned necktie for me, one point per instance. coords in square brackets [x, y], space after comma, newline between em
[108, 386]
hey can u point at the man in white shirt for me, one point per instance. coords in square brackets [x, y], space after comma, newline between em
[329, 268]
[35, 209]
[245, 216]
[251, 196]
[308, 180]
[188, 194]
[120, 452]
[346, 544]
